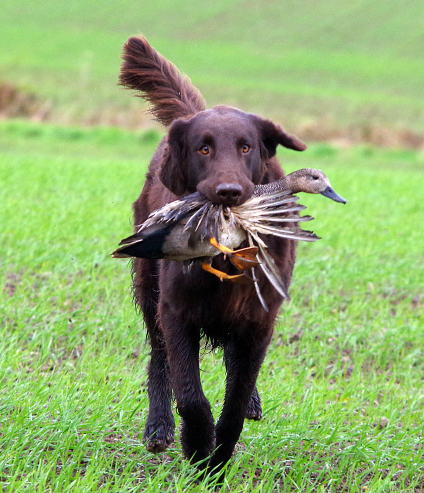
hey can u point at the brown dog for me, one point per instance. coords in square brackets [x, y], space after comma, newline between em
[222, 152]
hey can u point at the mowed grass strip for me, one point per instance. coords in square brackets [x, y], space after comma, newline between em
[342, 381]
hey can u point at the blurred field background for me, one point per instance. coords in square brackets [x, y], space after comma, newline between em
[328, 71]
[342, 385]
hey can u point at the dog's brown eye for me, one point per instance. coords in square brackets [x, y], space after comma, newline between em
[245, 148]
[204, 150]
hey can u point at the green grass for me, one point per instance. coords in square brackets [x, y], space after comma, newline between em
[339, 65]
[346, 353]
[347, 350]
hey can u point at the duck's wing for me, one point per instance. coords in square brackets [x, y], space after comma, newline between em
[205, 223]
[175, 211]
[258, 290]
[151, 235]
[272, 214]
[267, 264]
[268, 205]
[289, 233]
[268, 214]
[269, 225]
[255, 279]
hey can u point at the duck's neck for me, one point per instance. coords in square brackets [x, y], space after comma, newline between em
[284, 183]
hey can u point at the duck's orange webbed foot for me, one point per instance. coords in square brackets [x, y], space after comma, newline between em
[243, 259]
[237, 278]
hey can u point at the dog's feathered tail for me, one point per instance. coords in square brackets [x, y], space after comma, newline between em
[170, 93]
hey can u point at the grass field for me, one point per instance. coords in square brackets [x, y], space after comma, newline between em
[307, 64]
[342, 384]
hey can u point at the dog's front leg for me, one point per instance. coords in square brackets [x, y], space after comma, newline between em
[243, 355]
[159, 429]
[183, 345]
[160, 426]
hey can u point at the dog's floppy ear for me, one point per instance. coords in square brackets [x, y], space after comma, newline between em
[173, 173]
[273, 134]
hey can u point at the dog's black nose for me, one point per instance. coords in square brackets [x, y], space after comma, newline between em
[229, 193]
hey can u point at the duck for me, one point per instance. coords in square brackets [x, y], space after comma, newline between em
[193, 227]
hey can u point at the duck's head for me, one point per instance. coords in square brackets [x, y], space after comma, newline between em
[311, 180]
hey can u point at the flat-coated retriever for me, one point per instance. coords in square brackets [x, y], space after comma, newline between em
[222, 152]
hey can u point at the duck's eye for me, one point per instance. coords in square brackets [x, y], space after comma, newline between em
[245, 148]
[315, 177]
[204, 150]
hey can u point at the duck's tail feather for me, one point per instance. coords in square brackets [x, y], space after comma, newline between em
[135, 246]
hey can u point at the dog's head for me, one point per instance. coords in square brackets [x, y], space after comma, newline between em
[221, 153]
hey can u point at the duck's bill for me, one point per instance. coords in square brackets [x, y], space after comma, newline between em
[331, 194]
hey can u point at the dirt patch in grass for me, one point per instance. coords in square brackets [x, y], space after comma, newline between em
[376, 135]
[17, 103]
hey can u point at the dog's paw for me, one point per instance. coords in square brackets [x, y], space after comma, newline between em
[159, 434]
[254, 409]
